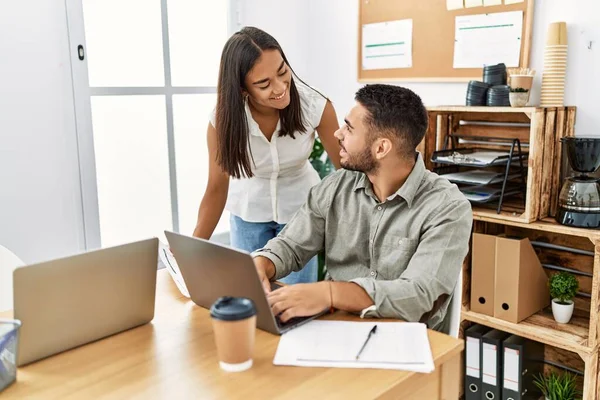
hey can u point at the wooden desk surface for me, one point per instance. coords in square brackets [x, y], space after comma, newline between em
[174, 356]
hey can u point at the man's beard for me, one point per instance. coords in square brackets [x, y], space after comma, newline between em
[361, 162]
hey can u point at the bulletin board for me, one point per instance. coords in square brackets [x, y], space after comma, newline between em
[433, 34]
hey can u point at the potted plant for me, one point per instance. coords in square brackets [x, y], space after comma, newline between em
[557, 386]
[323, 165]
[563, 287]
[518, 97]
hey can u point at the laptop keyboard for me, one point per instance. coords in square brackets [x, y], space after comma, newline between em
[290, 322]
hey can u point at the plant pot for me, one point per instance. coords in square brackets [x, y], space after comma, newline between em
[562, 312]
[522, 81]
[518, 99]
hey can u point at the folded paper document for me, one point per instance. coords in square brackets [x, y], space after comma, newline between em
[478, 177]
[392, 345]
[166, 257]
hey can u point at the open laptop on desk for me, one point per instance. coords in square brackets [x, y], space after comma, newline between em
[75, 300]
[211, 270]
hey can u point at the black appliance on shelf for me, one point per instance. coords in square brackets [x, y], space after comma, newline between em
[579, 199]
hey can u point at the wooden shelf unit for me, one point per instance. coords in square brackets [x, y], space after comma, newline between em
[541, 327]
[539, 130]
[576, 343]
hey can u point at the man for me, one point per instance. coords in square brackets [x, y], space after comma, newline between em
[394, 234]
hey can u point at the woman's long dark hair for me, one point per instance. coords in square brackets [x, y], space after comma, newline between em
[239, 55]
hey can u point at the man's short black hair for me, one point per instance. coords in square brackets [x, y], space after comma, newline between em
[396, 112]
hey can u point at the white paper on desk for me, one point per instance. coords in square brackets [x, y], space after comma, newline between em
[166, 257]
[387, 45]
[488, 39]
[395, 345]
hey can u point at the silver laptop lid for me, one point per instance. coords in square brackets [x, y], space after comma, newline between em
[212, 270]
[72, 301]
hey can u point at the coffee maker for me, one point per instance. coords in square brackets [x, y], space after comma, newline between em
[579, 199]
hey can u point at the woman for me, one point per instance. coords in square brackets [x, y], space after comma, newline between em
[259, 139]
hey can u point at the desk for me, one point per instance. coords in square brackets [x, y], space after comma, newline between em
[174, 357]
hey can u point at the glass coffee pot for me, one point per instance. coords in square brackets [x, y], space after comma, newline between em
[579, 199]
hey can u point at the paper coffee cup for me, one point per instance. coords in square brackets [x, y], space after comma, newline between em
[557, 34]
[234, 328]
[551, 69]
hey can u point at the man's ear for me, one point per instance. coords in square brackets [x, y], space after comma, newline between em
[383, 146]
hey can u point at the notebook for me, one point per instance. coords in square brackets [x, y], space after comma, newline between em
[395, 345]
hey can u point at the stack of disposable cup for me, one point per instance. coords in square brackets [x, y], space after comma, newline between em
[555, 66]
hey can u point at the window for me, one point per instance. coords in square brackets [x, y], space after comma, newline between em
[152, 85]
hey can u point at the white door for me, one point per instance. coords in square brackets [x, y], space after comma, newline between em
[145, 75]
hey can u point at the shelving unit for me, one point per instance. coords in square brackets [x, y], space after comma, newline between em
[542, 328]
[576, 343]
[537, 128]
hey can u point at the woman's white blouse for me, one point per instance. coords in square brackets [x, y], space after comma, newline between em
[282, 173]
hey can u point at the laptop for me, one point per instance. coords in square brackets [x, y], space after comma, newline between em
[75, 300]
[212, 270]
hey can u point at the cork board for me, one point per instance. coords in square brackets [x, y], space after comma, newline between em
[433, 38]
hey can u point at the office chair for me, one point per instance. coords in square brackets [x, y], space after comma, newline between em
[8, 262]
[455, 306]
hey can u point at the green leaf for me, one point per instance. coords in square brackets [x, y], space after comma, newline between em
[322, 164]
[317, 150]
[558, 386]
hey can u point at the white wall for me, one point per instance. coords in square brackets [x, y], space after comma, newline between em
[40, 199]
[583, 79]
[329, 48]
[286, 21]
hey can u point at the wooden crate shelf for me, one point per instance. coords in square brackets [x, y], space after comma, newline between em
[541, 327]
[538, 128]
[577, 342]
[554, 357]
[482, 109]
[545, 225]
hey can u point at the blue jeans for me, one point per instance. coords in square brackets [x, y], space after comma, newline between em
[251, 236]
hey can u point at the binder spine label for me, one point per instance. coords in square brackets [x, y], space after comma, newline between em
[511, 369]
[473, 357]
[489, 364]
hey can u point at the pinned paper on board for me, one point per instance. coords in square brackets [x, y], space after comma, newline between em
[512, 1]
[387, 45]
[473, 3]
[454, 4]
[488, 39]
[488, 3]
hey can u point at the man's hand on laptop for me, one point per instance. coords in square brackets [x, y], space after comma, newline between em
[266, 270]
[300, 300]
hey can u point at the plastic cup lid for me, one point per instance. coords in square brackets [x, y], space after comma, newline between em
[232, 308]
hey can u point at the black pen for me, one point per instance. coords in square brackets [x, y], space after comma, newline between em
[371, 332]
